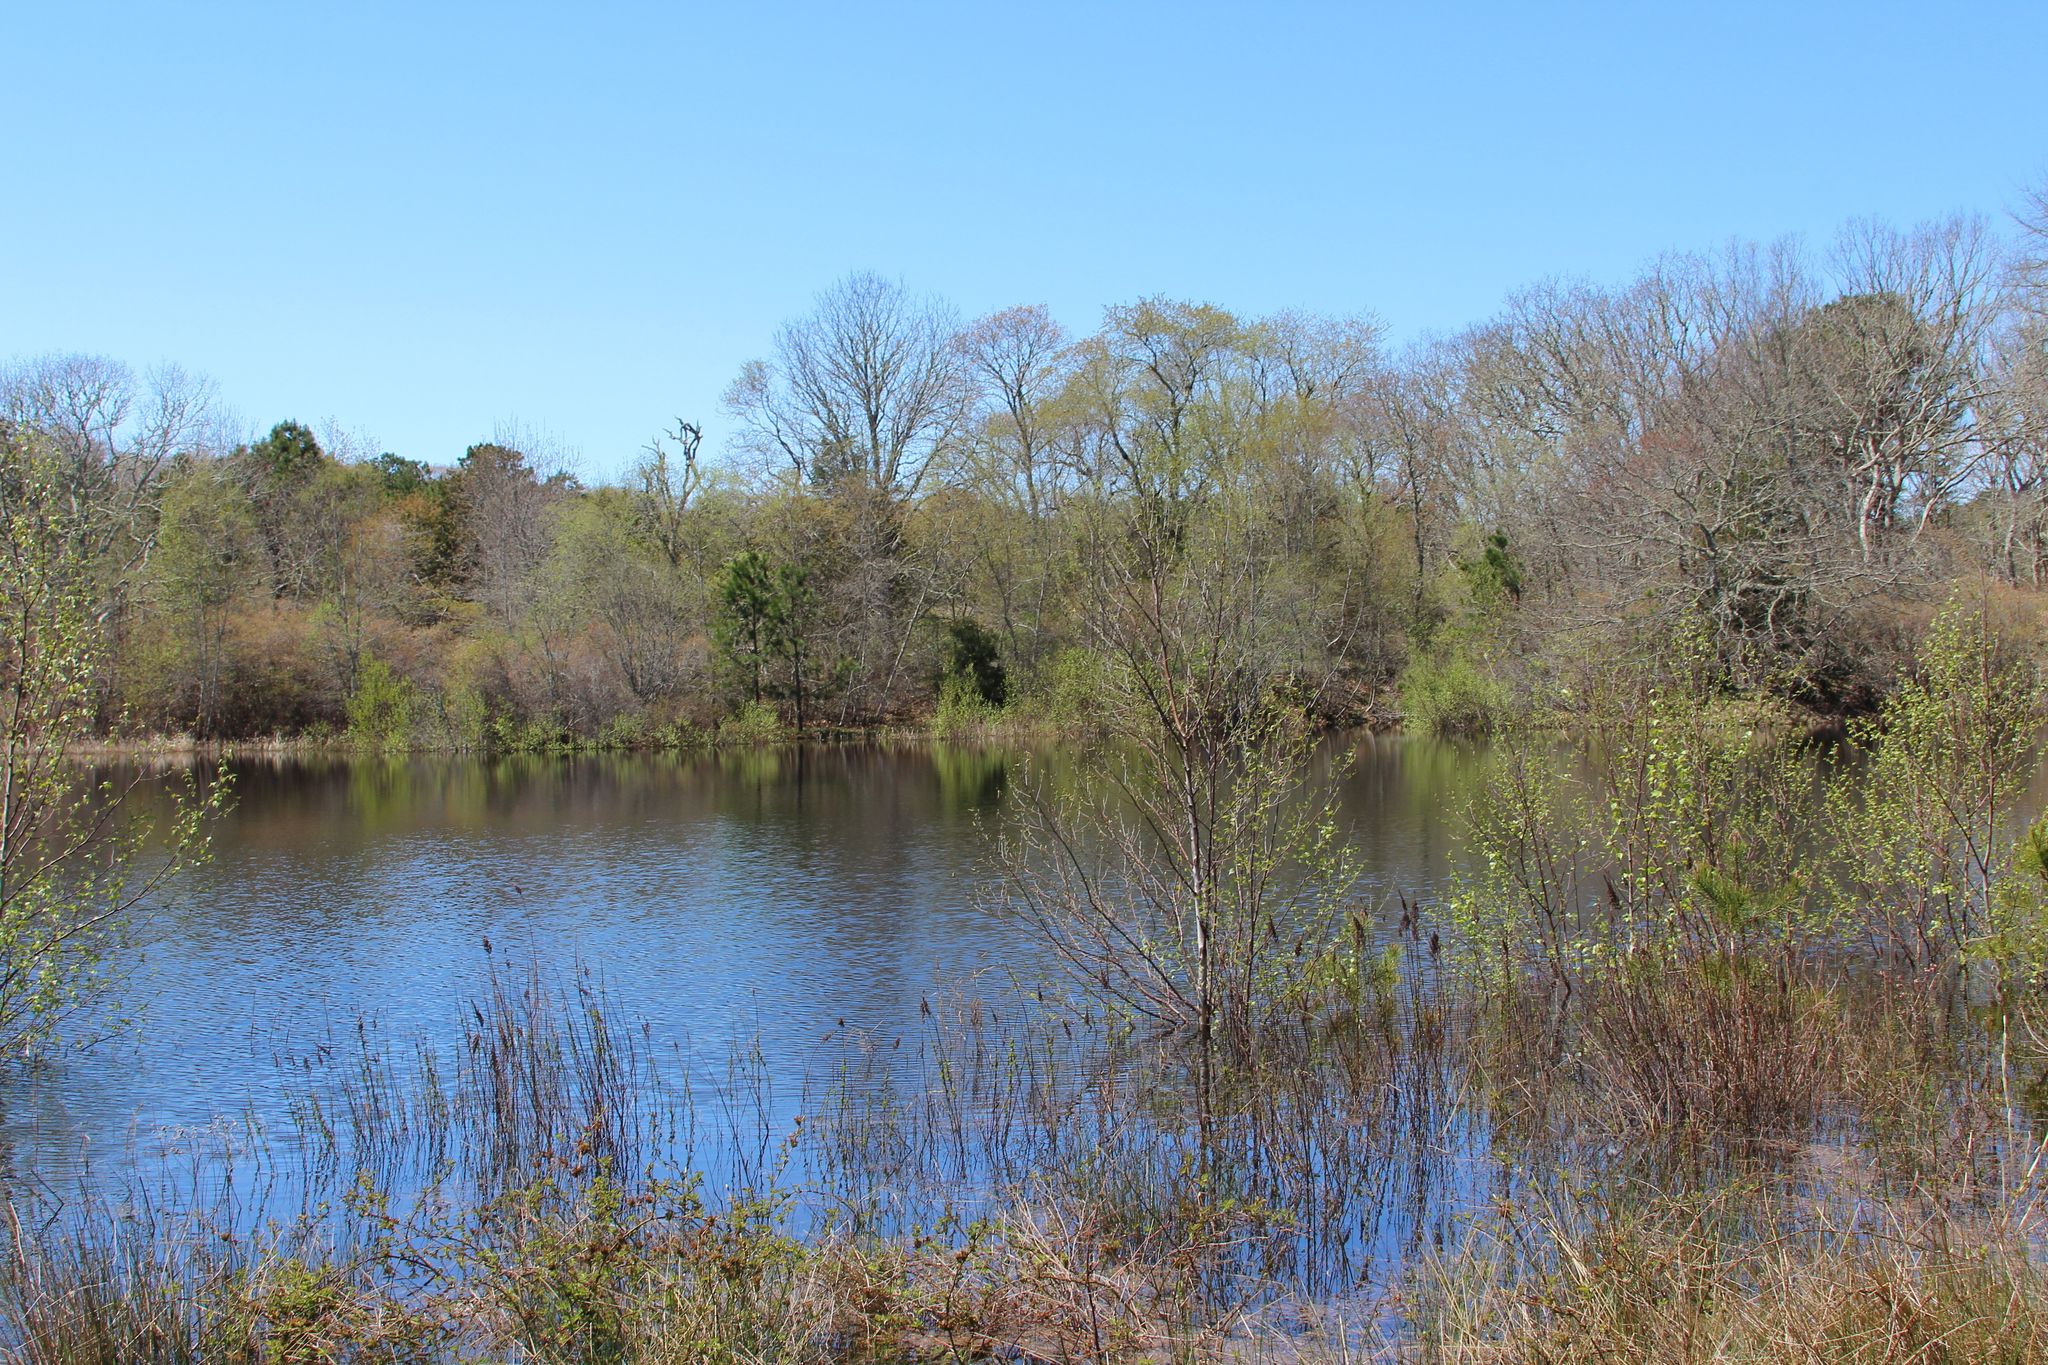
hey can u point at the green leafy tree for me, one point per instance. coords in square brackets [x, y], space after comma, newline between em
[275, 473]
[971, 657]
[382, 707]
[639, 609]
[764, 614]
[210, 549]
[400, 476]
[1200, 891]
[76, 857]
[746, 605]
[1494, 574]
[1927, 824]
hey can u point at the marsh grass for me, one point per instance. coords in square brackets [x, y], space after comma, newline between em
[1746, 1273]
[1408, 1179]
[1736, 1047]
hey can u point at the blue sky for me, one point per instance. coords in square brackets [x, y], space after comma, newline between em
[423, 221]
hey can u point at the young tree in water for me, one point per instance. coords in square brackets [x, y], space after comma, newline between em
[76, 859]
[1202, 889]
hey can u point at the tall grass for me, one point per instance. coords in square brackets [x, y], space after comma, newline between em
[1377, 1184]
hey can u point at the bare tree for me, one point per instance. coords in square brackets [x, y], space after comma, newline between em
[1683, 440]
[2031, 263]
[1020, 360]
[864, 398]
[505, 503]
[1408, 417]
[866, 390]
[2014, 414]
[113, 437]
[665, 488]
[1894, 367]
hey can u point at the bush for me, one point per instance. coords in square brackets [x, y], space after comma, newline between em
[1448, 693]
[380, 711]
[756, 722]
[972, 664]
[464, 721]
[962, 709]
[1926, 822]
[1068, 693]
[539, 735]
[1733, 1045]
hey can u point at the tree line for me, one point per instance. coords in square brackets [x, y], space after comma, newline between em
[921, 515]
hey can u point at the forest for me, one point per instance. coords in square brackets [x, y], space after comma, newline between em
[916, 520]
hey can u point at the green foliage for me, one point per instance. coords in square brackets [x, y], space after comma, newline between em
[1451, 685]
[970, 655]
[962, 711]
[1683, 836]
[209, 557]
[1693, 837]
[288, 455]
[1491, 514]
[1494, 575]
[1446, 692]
[971, 683]
[754, 722]
[1215, 926]
[400, 476]
[1360, 979]
[1926, 819]
[76, 857]
[382, 709]
[2018, 939]
[763, 614]
[432, 520]
[206, 541]
[1067, 692]
[464, 719]
[510, 734]
[747, 607]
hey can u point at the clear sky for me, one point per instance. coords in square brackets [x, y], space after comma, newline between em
[425, 220]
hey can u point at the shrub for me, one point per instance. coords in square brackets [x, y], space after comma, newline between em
[971, 664]
[1729, 1045]
[962, 708]
[380, 711]
[1927, 823]
[1447, 693]
[755, 722]
[1068, 692]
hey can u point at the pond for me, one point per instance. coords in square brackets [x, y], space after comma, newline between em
[772, 903]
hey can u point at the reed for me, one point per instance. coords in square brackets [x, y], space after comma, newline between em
[1409, 1173]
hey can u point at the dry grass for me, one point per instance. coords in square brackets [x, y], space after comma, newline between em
[1738, 1277]
[1724, 1047]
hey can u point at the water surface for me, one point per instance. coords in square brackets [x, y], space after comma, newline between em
[774, 899]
